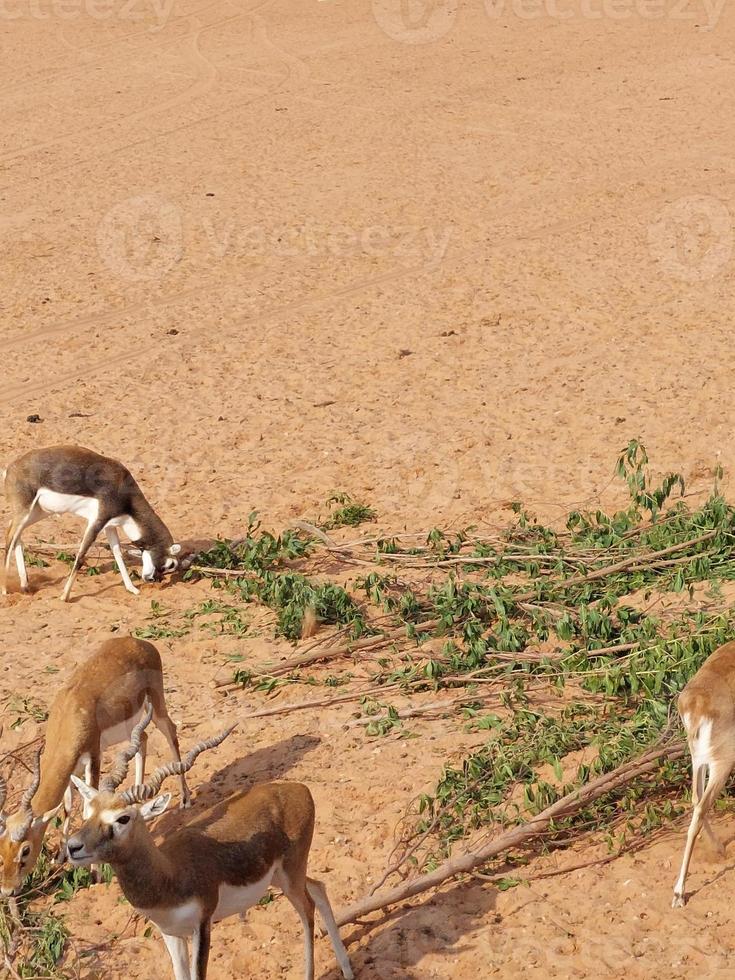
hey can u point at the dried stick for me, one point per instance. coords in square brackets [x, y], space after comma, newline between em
[333, 653]
[222, 572]
[628, 564]
[307, 658]
[10, 968]
[317, 703]
[304, 659]
[421, 711]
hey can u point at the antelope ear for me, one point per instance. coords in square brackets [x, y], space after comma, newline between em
[86, 792]
[49, 815]
[154, 808]
[175, 549]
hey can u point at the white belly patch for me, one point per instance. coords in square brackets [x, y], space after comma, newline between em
[179, 921]
[234, 899]
[87, 508]
[120, 732]
[52, 502]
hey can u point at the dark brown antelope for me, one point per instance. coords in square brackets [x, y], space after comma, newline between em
[209, 870]
[72, 480]
[98, 707]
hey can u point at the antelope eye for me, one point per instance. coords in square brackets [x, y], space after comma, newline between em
[125, 818]
[25, 852]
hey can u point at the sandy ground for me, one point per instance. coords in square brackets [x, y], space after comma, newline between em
[441, 255]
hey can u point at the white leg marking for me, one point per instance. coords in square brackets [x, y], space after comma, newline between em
[196, 951]
[69, 583]
[177, 951]
[319, 896]
[299, 900]
[308, 946]
[34, 515]
[21, 566]
[8, 559]
[719, 771]
[86, 542]
[195, 944]
[140, 760]
[113, 539]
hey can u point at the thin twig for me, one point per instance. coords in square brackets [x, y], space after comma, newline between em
[317, 703]
[304, 659]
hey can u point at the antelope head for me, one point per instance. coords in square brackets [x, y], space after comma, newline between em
[21, 834]
[158, 559]
[113, 820]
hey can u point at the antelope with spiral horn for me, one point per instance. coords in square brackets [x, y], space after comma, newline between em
[217, 866]
[98, 707]
[16, 852]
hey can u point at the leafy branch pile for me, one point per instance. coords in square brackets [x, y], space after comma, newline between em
[575, 610]
[35, 943]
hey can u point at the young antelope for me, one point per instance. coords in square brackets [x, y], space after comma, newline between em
[98, 707]
[707, 709]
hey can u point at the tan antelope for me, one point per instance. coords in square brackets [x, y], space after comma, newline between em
[98, 707]
[707, 709]
[218, 866]
[72, 480]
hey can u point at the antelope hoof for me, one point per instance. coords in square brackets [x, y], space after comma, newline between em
[678, 901]
[132, 590]
[185, 803]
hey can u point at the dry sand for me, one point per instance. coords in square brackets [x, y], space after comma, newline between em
[440, 255]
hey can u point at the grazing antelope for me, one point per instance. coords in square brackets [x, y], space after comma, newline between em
[72, 480]
[216, 867]
[98, 707]
[707, 709]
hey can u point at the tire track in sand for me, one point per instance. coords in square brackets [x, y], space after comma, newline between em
[207, 73]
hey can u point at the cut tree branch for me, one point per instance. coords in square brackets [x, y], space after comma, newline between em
[332, 653]
[565, 807]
